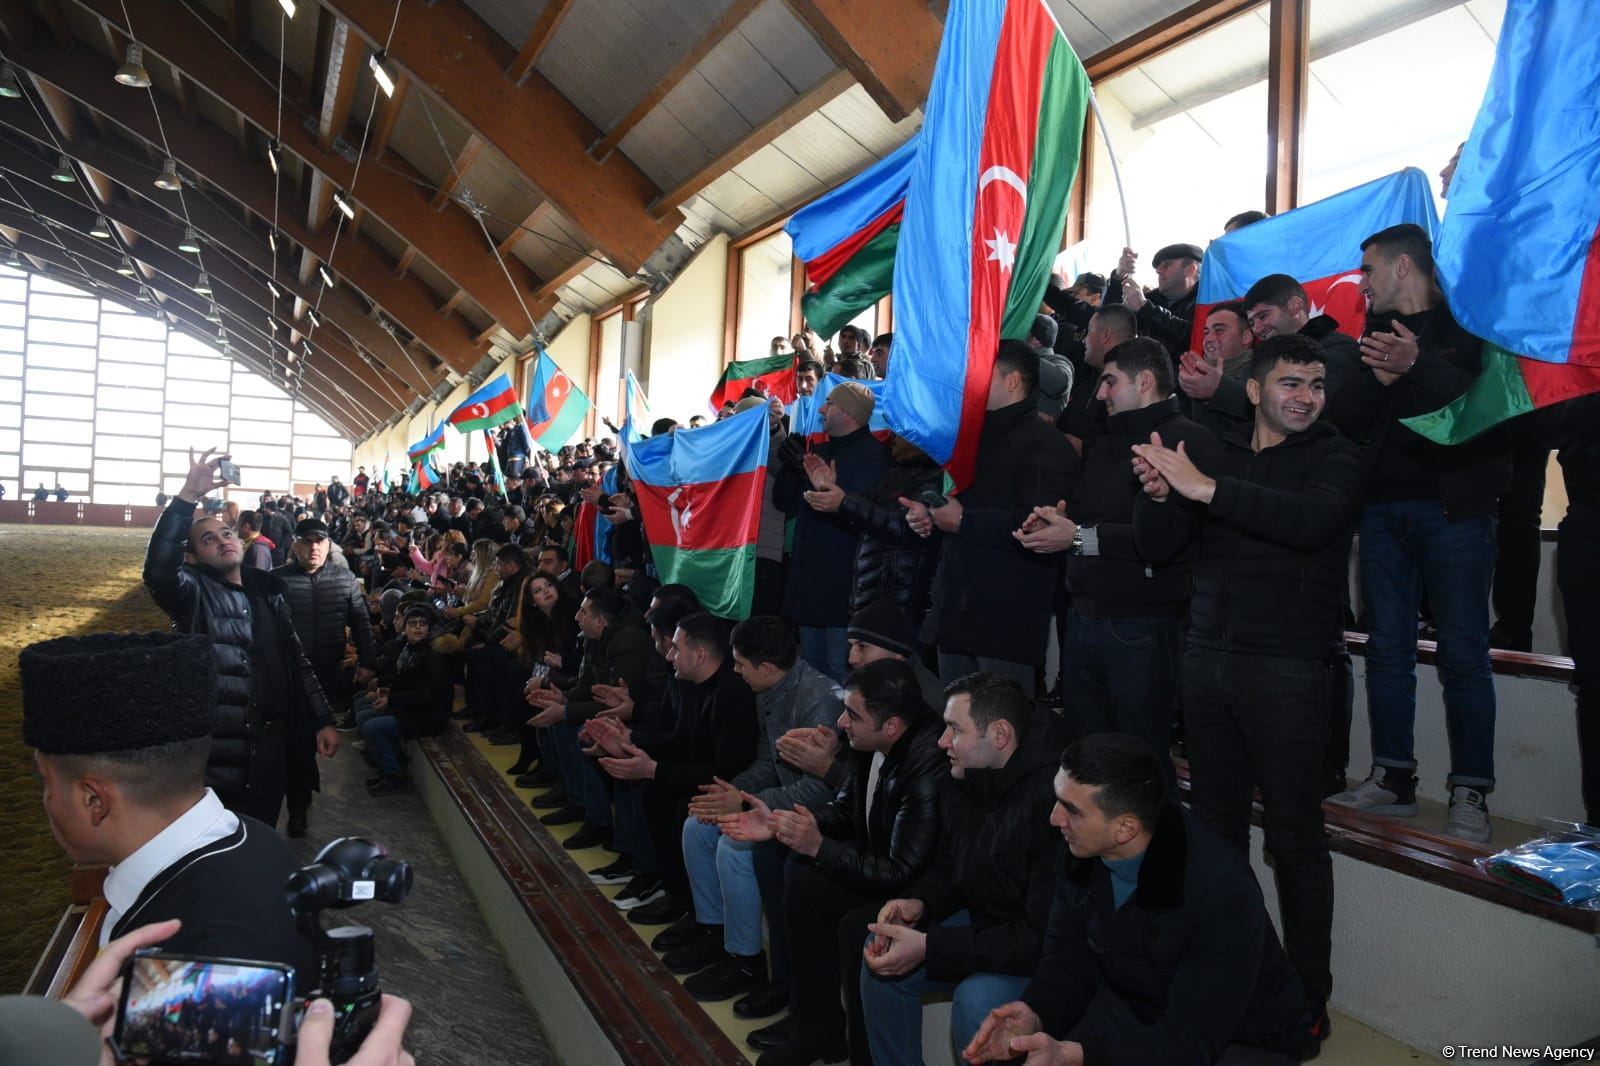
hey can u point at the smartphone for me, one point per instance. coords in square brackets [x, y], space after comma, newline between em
[932, 500]
[603, 502]
[229, 471]
[193, 1009]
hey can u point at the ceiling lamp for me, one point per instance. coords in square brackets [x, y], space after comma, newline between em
[8, 82]
[272, 324]
[168, 179]
[213, 315]
[190, 242]
[144, 295]
[272, 241]
[288, 7]
[63, 172]
[126, 267]
[132, 72]
[342, 202]
[327, 278]
[101, 228]
[311, 313]
[14, 260]
[277, 294]
[202, 285]
[222, 337]
[272, 154]
[380, 71]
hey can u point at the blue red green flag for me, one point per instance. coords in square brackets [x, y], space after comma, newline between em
[494, 403]
[556, 406]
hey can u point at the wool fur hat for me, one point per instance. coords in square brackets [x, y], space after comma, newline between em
[117, 692]
[884, 625]
[853, 399]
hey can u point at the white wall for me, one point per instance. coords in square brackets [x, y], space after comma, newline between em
[683, 342]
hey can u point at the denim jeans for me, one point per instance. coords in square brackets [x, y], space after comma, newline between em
[1405, 548]
[827, 649]
[893, 1006]
[382, 735]
[952, 666]
[580, 777]
[1261, 721]
[724, 879]
[1119, 675]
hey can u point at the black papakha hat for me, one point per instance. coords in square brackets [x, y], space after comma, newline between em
[117, 692]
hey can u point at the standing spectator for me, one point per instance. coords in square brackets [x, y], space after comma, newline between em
[257, 547]
[1213, 382]
[338, 495]
[1277, 305]
[1166, 311]
[278, 530]
[361, 481]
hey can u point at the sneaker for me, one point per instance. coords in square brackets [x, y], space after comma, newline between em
[588, 836]
[662, 910]
[734, 976]
[1469, 815]
[614, 873]
[640, 889]
[1376, 796]
[696, 955]
[682, 932]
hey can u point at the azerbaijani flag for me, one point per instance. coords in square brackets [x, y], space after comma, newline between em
[847, 240]
[556, 407]
[431, 443]
[773, 374]
[700, 500]
[423, 476]
[1518, 253]
[1319, 245]
[635, 408]
[805, 417]
[494, 462]
[984, 213]
[494, 403]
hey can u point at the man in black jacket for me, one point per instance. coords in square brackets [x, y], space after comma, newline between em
[276, 527]
[1272, 513]
[1277, 305]
[1428, 524]
[1212, 381]
[1166, 312]
[863, 848]
[973, 922]
[413, 701]
[992, 598]
[1159, 948]
[271, 715]
[1119, 659]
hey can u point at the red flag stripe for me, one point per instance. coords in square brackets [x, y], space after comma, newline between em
[826, 265]
[708, 514]
[1585, 349]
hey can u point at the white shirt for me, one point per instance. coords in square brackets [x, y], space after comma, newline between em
[205, 823]
[872, 785]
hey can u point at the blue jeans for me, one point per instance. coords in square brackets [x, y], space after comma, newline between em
[1405, 548]
[827, 649]
[722, 878]
[580, 777]
[893, 1006]
[1119, 675]
[382, 735]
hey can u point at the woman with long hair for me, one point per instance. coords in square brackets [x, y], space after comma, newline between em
[550, 650]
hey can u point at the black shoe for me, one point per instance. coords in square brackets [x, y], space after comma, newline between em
[703, 951]
[387, 786]
[562, 816]
[296, 829]
[1311, 1045]
[735, 975]
[614, 873]
[763, 1002]
[528, 781]
[663, 911]
[517, 769]
[500, 738]
[804, 1050]
[640, 890]
[777, 1034]
[544, 775]
[374, 779]
[463, 713]
[556, 797]
[587, 837]
[478, 725]
[681, 933]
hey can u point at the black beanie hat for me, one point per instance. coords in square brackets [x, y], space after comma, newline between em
[884, 625]
[117, 692]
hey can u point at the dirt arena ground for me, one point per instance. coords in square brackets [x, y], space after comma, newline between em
[54, 581]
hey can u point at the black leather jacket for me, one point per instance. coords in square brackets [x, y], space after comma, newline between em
[882, 854]
[892, 562]
[323, 604]
[198, 601]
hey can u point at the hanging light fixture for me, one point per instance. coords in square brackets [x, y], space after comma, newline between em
[213, 315]
[126, 267]
[311, 313]
[327, 278]
[272, 324]
[272, 241]
[168, 179]
[342, 202]
[202, 285]
[132, 72]
[14, 260]
[380, 71]
[144, 295]
[222, 336]
[63, 172]
[101, 228]
[288, 7]
[277, 294]
[272, 154]
[9, 89]
[190, 242]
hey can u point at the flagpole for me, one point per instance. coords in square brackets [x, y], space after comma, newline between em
[1100, 122]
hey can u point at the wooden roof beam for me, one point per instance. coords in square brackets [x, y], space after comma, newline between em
[536, 216]
[339, 90]
[572, 270]
[889, 46]
[458, 171]
[543, 32]
[388, 115]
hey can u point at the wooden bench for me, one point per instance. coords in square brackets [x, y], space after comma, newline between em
[76, 939]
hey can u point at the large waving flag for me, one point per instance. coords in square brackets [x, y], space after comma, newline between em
[847, 241]
[774, 375]
[805, 417]
[494, 403]
[1519, 249]
[635, 408]
[556, 407]
[431, 443]
[983, 218]
[1319, 245]
[700, 500]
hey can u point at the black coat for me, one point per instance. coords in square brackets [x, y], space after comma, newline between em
[822, 566]
[1192, 953]
[621, 654]
[278, 529]
[997, 857]
[198, 601]
[324, 605]
[993, 597]
[421, 690]
[1273, 565]
[1169, 321]
[1119, 582]
[892, 562]
[879, 856]
[715, 734]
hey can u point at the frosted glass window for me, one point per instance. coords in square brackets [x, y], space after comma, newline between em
[276, 410]
[260, 432]
[312, 424]
[137, 425]
[253, 384]
[51, 286]
[67, 307]
[134, 374]
[197, 415]
[322, 448]
[181, 438]
[61, 357]
[10, 445]
[12, 314]
[137, 495]
[191, 392]
[123, 399]
[13, 286]
[12, 340]
[153, 353]
[10, 416]
[41, 380]
[74, 481]
[10, 390]
[135, 326]
[764, 295]
[147, 449]
[126, 471]
[183, 344]
[57, 455]
[260, 455]
[194, 368]
[56, 431]
[51, 331]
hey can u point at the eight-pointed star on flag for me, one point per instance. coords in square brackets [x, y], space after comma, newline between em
[1002, 250]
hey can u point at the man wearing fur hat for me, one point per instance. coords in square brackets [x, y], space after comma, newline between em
[270, 714]
[125, 787]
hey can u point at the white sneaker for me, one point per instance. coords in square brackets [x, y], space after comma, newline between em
[1372, 797]
[1469, 815]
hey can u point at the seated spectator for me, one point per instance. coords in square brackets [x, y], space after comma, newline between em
[1158, 948]
[555, 560]
[414, 701]
[121, 729]
[551, 646]
[882, 631]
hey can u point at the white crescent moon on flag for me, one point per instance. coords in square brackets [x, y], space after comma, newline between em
[1006, 175]
[478, 410]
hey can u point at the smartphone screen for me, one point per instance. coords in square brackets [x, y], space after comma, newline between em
[178, 1008]
[229, 471]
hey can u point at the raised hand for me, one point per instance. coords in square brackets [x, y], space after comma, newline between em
[203, 475]
[1176, 469]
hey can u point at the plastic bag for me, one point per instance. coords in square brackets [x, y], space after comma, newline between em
[1562, 866]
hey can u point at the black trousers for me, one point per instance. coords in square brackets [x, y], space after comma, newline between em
[1578, 577]
[1257, 721]
[768, 597]
[269, 778]
[664, 813]
[1516, 567]
[827, 924]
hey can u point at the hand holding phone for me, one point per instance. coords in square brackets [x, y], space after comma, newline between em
[228, 470]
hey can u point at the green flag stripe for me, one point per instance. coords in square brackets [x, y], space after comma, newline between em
[863, 280]
[1498, 393]
[565, 424]
[723, 578]
[499, 418]
[745, 369]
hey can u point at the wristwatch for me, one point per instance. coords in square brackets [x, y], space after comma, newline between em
[1076, 547]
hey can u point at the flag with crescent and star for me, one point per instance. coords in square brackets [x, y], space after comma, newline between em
[1319, 245]
[431, 443]
[556, 407]
[494, 403]
[984, 212]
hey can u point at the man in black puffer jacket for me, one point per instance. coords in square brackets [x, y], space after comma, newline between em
[1273, 512]
[271, 713]
[892, 562]
[992, 598]
[973, 923]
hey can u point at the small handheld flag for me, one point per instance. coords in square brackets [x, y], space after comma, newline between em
[556, 406]
[494, 403]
